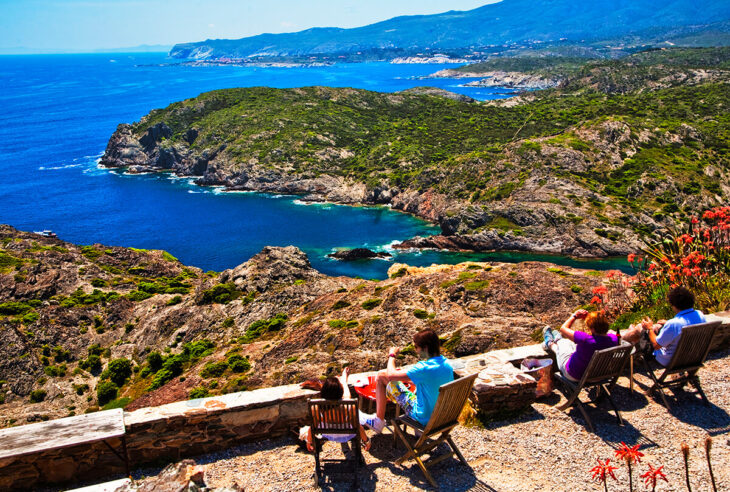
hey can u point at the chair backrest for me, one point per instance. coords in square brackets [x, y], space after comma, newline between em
[334, 416]
[450, 402]
[607, 363]
[693, 346]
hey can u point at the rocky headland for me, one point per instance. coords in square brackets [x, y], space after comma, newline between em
[499, 78]
[621, 150]
[86, 327]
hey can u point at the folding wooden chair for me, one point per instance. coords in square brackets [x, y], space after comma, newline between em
[450, 402]
[604, 369]
[692, 349]
[335, 418]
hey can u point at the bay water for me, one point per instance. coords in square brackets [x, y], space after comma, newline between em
[58, 112]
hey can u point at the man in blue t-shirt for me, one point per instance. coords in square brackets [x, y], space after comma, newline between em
[428, 375]
[665, 337]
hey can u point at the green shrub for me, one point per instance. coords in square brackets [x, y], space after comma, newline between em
[106, 391]
[168, 257]
[198, 349]
[214, 369]
[138, 296]
[154, 361]
[576, 289]
[55, 371]
[477, 285]
[401, 272]
[118, 371]
[91, 364]
[371, 304]
[13, 308]
[175, 300]
[291, 360]
[260, 327]
[238, 364]
[421, 314]
[228, 323]
[199, 392]
[220, 294]
[172, 367]
[341, 323]
[91, 252]
[37, 396]
[340, 304]
[80, 389]
[98, 282]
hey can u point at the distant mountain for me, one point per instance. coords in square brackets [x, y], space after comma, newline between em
[508, 22]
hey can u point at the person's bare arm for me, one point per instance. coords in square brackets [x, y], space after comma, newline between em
[346, 395]
[566, 330]
[393, 373]
[652, 339]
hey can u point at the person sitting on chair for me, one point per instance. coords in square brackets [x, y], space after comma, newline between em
[574, 349]
[664, 335]
[333, 389]
[428, 375]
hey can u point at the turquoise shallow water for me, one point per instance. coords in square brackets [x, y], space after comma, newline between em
[59, 111]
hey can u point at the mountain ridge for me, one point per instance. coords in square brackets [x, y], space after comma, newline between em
[506, 22]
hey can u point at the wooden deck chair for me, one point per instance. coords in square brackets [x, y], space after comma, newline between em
[335, 418]
[451, 400]
[604, 369]
[692, 349]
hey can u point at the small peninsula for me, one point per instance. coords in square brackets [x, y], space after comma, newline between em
[588, 169]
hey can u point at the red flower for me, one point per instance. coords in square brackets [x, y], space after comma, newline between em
[631, 454]
[600, 290]
[603, 470]
[596, 300]
[652, 475]
[631, 258]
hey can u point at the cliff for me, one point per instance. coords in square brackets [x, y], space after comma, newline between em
[84, 327]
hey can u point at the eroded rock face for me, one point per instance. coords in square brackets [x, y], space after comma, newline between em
[324, 322]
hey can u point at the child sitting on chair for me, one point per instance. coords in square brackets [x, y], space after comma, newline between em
[332, 389]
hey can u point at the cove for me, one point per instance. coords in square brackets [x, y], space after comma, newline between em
[58, 114]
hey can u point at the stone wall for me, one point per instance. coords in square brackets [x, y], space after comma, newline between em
[188, 428]
[89, 461]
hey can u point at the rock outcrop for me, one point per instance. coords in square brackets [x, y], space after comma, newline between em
[358, 254]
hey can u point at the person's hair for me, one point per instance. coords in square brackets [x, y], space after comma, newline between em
[681, 298]
[597, 322]
[429, 340]
[331, 389]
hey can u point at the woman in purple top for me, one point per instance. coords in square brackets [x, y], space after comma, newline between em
[574, 349]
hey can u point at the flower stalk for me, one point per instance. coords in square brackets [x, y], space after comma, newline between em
[708, 447]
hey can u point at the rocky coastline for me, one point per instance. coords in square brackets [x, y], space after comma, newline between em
[499, 78]
[520, 227]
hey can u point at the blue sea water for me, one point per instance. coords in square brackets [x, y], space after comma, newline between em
[58, 112]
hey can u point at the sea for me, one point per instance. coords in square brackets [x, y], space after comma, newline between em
[58, 112]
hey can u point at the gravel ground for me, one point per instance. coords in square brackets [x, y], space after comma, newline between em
[541, 450]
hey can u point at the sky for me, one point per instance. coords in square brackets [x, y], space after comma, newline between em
[62, 26]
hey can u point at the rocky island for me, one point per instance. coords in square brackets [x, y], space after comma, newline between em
[588, 169]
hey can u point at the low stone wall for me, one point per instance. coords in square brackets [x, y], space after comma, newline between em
[89, 461]
[188, 428]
